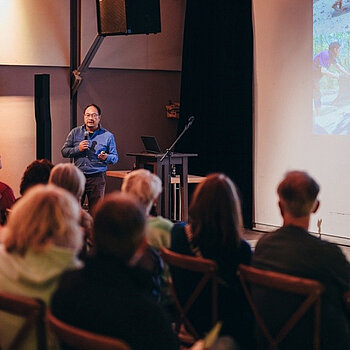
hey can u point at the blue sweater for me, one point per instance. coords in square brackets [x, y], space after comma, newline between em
[87, 161]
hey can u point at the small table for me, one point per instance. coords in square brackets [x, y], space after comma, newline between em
[191, 179]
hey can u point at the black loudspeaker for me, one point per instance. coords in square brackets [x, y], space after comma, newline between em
[118, 17]
[42, 116]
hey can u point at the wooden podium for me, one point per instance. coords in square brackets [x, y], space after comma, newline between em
[161, 168]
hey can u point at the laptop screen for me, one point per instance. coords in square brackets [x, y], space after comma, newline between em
[151, 144]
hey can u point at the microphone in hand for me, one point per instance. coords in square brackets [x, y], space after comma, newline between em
[84, 145]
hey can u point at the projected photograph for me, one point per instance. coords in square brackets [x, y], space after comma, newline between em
[331, 67]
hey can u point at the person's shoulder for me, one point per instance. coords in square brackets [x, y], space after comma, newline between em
[78, 128]
[329, 248]
[103, 130]
[267, 236]
[178, 229]
[245, 246]
[71, 275]
[178, 239]
[4, 187]
[160, 222]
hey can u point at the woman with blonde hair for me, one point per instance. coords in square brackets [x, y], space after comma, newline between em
[215, 232]
[40, 241]
[72, 179]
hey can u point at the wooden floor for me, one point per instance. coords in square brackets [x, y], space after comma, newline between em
[252, 237]
[252, 234]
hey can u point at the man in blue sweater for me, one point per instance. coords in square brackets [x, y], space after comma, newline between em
[92, 148]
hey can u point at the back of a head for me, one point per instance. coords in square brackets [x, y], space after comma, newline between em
[298, 192]
[215, 213]
[37, 172]
[119, 224]
[69, 177]
[144, 185]
[45, 215]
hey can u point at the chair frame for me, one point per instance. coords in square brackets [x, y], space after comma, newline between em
[311, 289]
[194, 264]
[33, 310]
[81, 339]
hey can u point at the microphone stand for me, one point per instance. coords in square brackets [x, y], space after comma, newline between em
[169, 152]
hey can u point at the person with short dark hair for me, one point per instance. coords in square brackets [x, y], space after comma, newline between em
[92, 147]
[293, 250]
[37, 172]
[110, 296]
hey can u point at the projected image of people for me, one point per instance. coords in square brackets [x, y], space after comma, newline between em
[331, 67]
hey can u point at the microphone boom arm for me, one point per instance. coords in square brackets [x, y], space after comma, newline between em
[170, 149]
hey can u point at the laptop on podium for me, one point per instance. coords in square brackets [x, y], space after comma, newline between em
[151, 144]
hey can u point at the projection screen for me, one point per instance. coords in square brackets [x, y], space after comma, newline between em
[302, 106]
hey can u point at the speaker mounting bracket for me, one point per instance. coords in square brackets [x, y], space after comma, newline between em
[78, 73]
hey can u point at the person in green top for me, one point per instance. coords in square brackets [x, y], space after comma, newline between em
[147, 188]
[39, 242]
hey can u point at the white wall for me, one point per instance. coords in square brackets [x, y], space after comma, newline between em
[283, 118]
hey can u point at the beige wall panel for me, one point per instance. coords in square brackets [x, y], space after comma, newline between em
[34, 32]
[17, 142]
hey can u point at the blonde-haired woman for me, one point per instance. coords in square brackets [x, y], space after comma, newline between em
[40, 241]
[71, 178]
[147, 188]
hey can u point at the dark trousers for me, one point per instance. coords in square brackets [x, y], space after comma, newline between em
[94, 189]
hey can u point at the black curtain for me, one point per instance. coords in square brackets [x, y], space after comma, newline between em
[216, 88]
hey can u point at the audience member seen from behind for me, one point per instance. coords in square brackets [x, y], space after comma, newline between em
[292, 250]
[37, 172]
[69, 177]
[214, 232]
[7, 198]
[115, 294]
[147, 188]
[40, 241]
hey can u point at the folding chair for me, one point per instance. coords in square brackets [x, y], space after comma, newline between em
[32, 310]
[208, 269]
[310, 291]
[80, 339]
